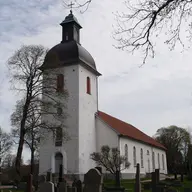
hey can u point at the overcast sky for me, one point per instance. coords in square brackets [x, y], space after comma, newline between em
[155, 95]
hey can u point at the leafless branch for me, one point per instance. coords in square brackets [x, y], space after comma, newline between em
[82, 5]
[139, 28]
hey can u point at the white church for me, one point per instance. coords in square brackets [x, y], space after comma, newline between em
[89, 128]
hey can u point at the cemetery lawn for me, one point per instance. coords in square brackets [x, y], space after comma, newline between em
[129, 184]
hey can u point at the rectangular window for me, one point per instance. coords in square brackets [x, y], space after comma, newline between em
[60, 82]
[59, 136]
[88, 85]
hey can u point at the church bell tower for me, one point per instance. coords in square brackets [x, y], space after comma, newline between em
[75, 68]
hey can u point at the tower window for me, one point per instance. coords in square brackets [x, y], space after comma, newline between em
[59, 136]
[88, 85]
[60, 82]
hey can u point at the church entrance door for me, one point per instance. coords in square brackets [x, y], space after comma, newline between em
[58, 161]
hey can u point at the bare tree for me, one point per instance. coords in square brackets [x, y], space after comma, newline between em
[111, 160]
[146, 19]
[5, 144]
[40, 97]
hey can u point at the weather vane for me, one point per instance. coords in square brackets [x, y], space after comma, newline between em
[71, 6]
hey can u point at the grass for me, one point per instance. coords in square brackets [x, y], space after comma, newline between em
[129, 185]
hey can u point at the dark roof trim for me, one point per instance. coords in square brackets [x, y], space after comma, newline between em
[72, 62]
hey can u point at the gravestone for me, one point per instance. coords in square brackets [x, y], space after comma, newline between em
[42, 179]
[71, 189]
[157, 175]
[154, 181]
[62, 186]
[49, 176]
[137, 179]
[93, 181]
[78, 185]
[46, 187]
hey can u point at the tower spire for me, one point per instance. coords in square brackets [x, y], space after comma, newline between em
[71, 7]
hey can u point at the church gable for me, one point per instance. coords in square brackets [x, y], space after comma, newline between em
[127, 130]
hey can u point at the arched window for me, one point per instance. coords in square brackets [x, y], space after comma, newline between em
[141, 157]
[163, 162]
[134, 156]
[60, 82]
[147, 152]
[59, 136]
[88, 85]
[126, 153]
[158, 158]
[153, 160]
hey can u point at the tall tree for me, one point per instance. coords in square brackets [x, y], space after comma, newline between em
[175, 139]
[40, 97]
[111, 160]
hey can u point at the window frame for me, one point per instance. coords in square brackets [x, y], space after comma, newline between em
[88, 84]
[141, 156]
[134, 157]
[60, 82]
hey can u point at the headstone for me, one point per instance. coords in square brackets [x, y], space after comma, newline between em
[42, 179]
[29, 187]
[62, 187]
[46, 187]
[154, 181]
[93, 180]
[78, 185]
[71, 189]
[157, 175]
[49, 176]
[137, 179]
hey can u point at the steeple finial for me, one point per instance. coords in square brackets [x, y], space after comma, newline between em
[71, 6]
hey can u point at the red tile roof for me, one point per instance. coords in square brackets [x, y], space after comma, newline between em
[128, 130]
